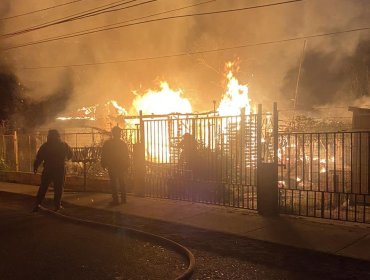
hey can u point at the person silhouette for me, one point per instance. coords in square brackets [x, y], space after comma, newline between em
[115, 158]
[189, 155]
[53, 154]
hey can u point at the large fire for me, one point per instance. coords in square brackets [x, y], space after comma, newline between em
[161, 102]
[164, 101]
[236, 96]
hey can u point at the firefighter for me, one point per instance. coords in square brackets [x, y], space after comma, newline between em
[189, 155]
[53, 155]
[115, 158]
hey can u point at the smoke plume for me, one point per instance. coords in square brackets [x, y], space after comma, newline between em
[329, 69]
[20, 103]
[24, 112]
[331, 77]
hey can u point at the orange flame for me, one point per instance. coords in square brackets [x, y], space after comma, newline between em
[120, 110]
[236, 95]
[164, 101]
[87, 111]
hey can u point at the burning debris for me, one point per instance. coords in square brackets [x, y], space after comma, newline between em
[84, 113]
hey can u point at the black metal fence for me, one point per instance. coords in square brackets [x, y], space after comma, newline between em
[196, 157]
[18, 151]
[209, 159]
[325, 175]
[214, 159]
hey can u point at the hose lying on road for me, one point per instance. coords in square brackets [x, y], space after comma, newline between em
[174, 245]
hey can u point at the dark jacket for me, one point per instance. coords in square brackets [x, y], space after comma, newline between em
[115, 155]
[53, 155]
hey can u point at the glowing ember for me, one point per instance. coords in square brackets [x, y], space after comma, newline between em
[76, 118]
[88, 114]
[88, 110]
[236, 95]
[164, 101]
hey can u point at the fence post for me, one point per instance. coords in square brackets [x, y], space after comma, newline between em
[139, 160]
[4, 149]
[85, 175]
[267, 188]
[242, 146]
[259, 137]
[15, 146]
[30, 155]
[275, 116]
[274, 187]
[259, 155]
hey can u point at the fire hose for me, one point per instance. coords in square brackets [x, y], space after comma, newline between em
[182, 250]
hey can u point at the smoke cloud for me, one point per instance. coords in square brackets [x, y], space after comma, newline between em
[330, 67]
[25, 112]
[21, 101]
[331, 77]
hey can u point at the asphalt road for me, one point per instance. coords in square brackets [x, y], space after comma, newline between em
[38, 246]
[218, 255]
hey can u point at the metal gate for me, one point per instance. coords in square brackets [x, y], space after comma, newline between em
[203, 158]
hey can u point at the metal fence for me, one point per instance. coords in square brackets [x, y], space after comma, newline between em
[209, 159]
[325, 175]
[18, 151]
[214, 159]
[196, 157]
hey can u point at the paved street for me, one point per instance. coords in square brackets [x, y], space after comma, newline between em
[218, 255]
[38, 246]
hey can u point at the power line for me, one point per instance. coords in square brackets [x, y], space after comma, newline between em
[112, 10]
[41, 10]
[89, 12]
[96, 9]
[153, 20]
[131, 20]
[201, 52]
[77, 16]
[65, 20]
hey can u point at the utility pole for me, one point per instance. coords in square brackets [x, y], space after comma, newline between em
[298, 78]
